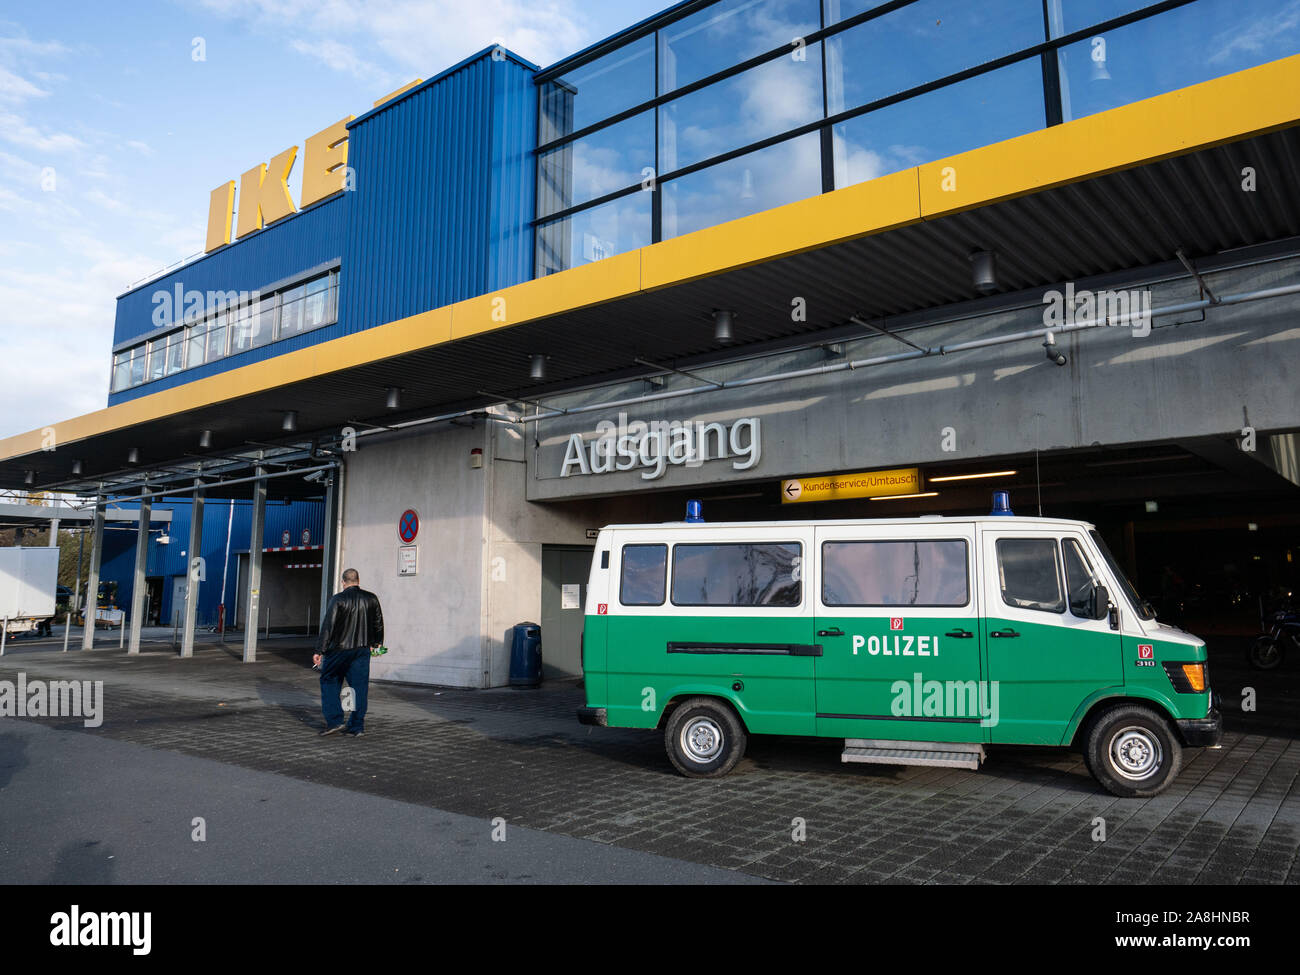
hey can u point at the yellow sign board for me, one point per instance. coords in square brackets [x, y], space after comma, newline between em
[840, 487]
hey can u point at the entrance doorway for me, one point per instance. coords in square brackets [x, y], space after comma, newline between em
[564, 594]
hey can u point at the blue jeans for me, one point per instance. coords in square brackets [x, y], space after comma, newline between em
[353, 664]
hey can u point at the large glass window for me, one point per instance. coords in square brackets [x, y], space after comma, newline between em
[138, 356]
[737, 574]
[608, 160]
[770, 177]
[977, 112]
[592, 235]
[644, 575]
[121, 370]
[157, 358]
[218, 332]
[195, 339]
[895, 573]
[597, 90]
[1029, 574]
[1181, 47]
[176, 352]
[764, 101]
[726, 33]
[925, 41]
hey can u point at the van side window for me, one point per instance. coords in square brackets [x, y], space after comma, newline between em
[644, 576]
[1080, 580]
[895, 573]
[1029, 571]
[738, 574]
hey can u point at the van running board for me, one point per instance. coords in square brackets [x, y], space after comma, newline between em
[946, 754]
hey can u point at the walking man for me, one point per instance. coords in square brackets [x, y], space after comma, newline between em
[353, 626]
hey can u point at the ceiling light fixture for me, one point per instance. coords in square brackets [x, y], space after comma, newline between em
[984, 271]
[968, 477]
[723, 322]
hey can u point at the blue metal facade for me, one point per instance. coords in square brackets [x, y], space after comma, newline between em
[443, 202]
[441, 211]
[170, 560]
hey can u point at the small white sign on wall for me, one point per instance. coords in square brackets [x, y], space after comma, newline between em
[571, 595]
[408, 560]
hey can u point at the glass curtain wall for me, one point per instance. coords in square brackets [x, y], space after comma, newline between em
[742, 105]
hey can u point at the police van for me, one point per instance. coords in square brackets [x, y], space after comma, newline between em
[918, 641]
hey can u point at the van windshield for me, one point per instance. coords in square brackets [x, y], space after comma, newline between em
[1140, 605]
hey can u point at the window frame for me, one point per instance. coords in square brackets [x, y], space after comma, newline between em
[788, 608]
[823, 574]
[1058, 559]
[622, 578]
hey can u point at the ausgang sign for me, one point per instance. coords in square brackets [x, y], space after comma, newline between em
[839, 487]
[655, 445]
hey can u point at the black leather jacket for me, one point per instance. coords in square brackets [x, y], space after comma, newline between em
[352, 619]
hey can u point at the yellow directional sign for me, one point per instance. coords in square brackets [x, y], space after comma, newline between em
[839, 487]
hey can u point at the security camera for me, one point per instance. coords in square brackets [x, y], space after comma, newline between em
[313, 476]
[1049, 347]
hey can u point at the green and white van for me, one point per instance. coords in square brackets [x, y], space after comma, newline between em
[918, 641]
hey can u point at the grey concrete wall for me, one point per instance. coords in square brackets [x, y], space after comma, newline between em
[433, 619]
[291, 595]
[1195, 375]
[518, 529]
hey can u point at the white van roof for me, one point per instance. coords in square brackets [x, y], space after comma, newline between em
[1020, 521]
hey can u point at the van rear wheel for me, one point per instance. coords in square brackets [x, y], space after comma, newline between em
[704, 738]
[1133, 752]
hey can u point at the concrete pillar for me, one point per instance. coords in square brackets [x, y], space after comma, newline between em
[54, 533]
[138, 586]
[328, 571]
[254, 580]
[92, 575]
[192, 584]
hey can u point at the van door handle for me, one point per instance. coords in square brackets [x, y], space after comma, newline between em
[1008, 632]
[833, 631]
[960, 634]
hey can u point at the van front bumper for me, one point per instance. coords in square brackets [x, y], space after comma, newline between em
[592, 716]
[1202, 732]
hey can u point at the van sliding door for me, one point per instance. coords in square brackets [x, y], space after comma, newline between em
[896, 618]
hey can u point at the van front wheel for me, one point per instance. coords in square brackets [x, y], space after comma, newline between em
[704, 738]
[1133, 752]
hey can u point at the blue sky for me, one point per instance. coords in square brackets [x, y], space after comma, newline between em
[112, 135]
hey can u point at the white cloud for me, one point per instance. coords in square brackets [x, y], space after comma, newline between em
[17, 89]
[15, 129]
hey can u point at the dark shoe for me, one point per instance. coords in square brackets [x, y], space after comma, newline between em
[330, 731]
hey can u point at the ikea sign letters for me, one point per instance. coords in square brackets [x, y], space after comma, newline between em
[264, 190]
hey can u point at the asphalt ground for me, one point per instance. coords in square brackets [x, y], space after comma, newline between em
[206, 736]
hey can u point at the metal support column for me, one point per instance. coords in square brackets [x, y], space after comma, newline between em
[327, 570]
[192, 555]
[139, 589]
[254, 582]
[91, 601]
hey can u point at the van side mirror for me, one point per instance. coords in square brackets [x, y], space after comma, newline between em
[1100, 602]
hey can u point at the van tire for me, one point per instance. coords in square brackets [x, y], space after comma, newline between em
[1133, 752]
[704, 738]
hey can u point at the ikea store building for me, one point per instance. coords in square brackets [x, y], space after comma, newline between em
[794, 258]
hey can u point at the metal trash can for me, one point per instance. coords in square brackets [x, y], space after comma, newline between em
[526, 655]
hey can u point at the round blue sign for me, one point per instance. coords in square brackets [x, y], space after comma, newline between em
[408, 526]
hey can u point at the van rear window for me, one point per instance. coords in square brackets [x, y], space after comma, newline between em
[899, 572]
[644, 575]
[738, 574]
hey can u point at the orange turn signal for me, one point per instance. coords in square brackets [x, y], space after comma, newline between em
[1195, 674]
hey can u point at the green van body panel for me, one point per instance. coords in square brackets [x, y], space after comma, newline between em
[777, 695]
[880, 688]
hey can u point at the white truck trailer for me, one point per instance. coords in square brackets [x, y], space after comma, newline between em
[29, 578]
